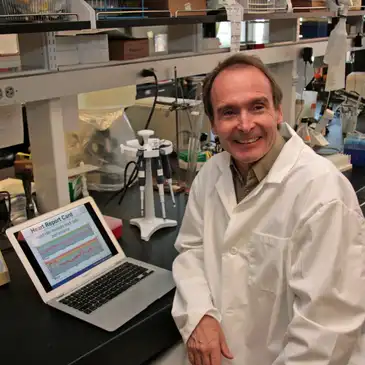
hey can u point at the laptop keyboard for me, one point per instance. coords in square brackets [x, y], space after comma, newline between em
[107, 287]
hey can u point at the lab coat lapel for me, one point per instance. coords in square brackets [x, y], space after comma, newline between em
[224, 185]
[280, 169]
[283, 163]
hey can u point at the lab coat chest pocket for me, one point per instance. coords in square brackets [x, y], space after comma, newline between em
[267, 257]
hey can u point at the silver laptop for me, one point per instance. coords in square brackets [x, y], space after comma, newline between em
[78, 267]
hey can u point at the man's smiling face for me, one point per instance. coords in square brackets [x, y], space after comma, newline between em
[245, 118]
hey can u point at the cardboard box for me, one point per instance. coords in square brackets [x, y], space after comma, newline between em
[93, 48]
[82, 49]
[128, 49]
[174, 5]
[309, 4]
[66, 48]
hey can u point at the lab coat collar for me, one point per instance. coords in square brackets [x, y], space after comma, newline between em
[288, 156]
[283, 163]
[224, 184]
[281, 168]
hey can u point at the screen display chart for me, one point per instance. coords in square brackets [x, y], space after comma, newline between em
[67, 245]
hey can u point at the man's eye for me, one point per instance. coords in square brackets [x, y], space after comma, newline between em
[258, 107]
[228, 112]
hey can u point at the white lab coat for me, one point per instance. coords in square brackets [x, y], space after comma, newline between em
[283, 270]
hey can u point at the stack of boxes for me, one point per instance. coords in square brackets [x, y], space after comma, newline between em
[82, 49]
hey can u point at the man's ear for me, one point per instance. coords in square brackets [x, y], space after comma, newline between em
[279, 114]
[213, 127]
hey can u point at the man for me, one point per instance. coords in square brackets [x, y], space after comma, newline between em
[271, 264]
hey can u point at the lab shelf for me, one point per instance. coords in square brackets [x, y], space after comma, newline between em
[33, 86]
[212, 18]
[41, 27]
[36, 85]
[123, 22]
[163, 20]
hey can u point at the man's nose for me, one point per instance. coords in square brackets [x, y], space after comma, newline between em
[245, 123]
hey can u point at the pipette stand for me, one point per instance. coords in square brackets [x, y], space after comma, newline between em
[148, 224]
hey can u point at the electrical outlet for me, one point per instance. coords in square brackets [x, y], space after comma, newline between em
[9, 92]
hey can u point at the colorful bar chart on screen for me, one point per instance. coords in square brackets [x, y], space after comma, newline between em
[74, 257]
[61, 243]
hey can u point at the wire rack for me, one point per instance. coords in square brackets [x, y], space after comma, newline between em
[110, 9]
[264, 6]
[35, 10]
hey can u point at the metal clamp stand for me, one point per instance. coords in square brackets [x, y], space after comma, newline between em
[149, 223]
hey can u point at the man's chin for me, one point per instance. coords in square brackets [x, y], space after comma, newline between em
[244, 157]
[246, 160]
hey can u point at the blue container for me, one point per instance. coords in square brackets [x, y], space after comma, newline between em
[357, 156]
[355, 147]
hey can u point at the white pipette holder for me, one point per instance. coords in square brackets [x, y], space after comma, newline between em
[148, 224]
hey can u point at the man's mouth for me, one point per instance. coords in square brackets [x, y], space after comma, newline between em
[247, 141]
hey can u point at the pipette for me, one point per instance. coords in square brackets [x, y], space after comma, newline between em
[141, 177]
[160, 184]
[168, 173]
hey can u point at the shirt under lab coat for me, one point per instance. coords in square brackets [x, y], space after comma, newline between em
[283, 270]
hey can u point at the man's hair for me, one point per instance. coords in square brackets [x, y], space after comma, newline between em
[238, 60]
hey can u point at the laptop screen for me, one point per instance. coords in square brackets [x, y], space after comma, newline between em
[66, 246]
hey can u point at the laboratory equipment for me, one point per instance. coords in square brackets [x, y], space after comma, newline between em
[315, 130]
[353, 104]
[310, 131]
[349, 115]
[96, 142]
[327, 116]
[23, 168]
[308, 104]
[141, 178]
[355, 82]
[151, 154]
[197, 116]
[168, 174]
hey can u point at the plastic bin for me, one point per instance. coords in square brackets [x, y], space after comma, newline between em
[357, 156]
[354, 146]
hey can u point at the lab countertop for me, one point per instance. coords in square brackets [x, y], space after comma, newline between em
[34, 333]
[31, 332]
